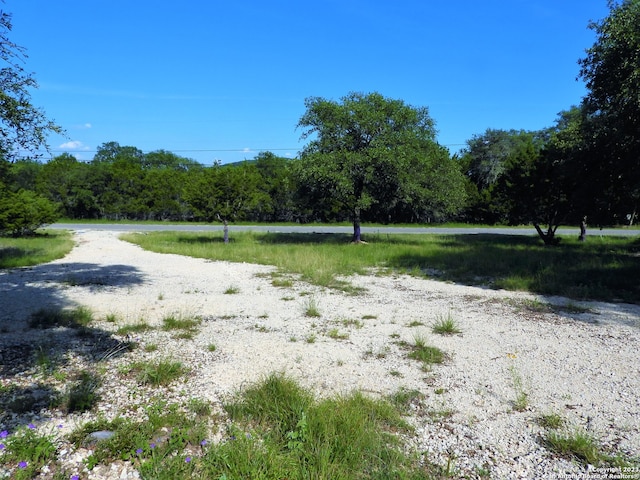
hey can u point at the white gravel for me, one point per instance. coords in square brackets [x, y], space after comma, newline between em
[583, 366]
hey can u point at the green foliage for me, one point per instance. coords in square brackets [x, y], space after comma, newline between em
[33, 250]
[22, 125]
[225, 192]
[445, 325]
[186, 324]
[134, 328]
[311, 308]
[158, 373]
[550, 421]
[605, 268]
[425, 353]
[577, 445]
[521, 401]
[82, 395]
[293, 436]
[375, 154]
[27, 450]
[51, 318]
[24, 212]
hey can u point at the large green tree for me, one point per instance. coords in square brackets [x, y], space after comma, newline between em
[224, 192]
[23, 132]
[367, 150]
[23, 127]
[611, 70]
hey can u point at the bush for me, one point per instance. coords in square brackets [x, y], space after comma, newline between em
[22, 213]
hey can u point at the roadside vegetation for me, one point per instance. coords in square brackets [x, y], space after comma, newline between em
[603, 268]
[33, 250]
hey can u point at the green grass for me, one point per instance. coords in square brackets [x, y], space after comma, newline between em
[160, 373]
[139, 327]
[27, 450]
[231, 290]
[581, 446]
[82, 394]
[282, 432]
[521, 400]
[424, 353]
[40, 248]
[311, 308]
[187, 326]
[550, 421]
[336, 334]
[445, 325]
[50, 318]
[603, 268]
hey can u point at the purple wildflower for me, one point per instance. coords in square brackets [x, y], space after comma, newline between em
[31, 426]
[22, 464]
[75, 477]
[203, 443]
[4, 434]
[187, 460]
[139, 451]
[153, 445]
[1, 446]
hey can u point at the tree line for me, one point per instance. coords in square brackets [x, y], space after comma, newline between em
[368, 159]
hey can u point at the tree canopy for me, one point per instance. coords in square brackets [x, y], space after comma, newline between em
[23, 127]
[611, 70]
[368, 152]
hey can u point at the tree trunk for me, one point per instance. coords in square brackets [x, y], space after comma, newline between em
[583, 230]
[549, 238]
[356, 226]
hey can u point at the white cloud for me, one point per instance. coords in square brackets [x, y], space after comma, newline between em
[74, 145]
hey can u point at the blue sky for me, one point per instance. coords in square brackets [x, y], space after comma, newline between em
[224, 80]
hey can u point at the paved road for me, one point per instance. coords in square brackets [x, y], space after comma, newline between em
[130, 227]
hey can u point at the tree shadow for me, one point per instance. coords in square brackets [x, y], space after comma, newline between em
[31, 353]
[281, 238]
[573, 270]
[26, 290]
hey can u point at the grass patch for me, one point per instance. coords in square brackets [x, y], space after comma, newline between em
[445, 325]
[585, 449]
[550, 421]
[40, 248]
[603, 268]
[521, 401]
[186, 327]
[139, 327]
[337, 334]
[82, 395]
[26, 451]
[415, 323]
[159, 373]
[425, 353]
[404, 398]
[231, 290]
[154, 444]
[311, 308]
[282, 432]
[50, 318]
[350, 322]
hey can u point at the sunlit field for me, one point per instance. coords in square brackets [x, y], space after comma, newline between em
[603, 268]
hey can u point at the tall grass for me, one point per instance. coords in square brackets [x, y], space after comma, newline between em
[40, 248]
[602, 268]
[284, 433]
